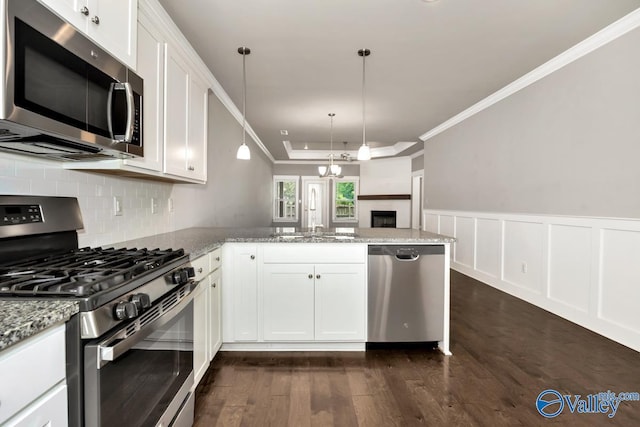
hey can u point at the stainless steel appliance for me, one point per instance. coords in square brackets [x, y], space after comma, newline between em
[406, 293]
[130, 348]
[62, 96]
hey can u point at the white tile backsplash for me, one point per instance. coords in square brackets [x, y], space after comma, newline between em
[24, 175]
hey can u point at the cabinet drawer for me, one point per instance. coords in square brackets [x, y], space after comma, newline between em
[215, 258]
[201, 266]
[26, 374]
[50, 411]
[315, 253]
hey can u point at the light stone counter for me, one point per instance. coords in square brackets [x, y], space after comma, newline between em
[199, 241]
[21, 319]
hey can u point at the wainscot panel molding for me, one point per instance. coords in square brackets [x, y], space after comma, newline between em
[580, 268]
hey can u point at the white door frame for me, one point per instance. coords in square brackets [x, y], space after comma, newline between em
[417, 189]
[305, 200]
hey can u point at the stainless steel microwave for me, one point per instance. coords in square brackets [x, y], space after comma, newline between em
[61, 95]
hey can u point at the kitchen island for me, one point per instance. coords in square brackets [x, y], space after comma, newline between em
[295, 289]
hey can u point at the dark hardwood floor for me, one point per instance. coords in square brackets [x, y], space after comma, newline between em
[505, 352]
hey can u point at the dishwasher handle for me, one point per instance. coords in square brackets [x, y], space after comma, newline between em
[407, 257]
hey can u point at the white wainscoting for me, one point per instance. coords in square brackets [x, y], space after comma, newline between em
[584, 269]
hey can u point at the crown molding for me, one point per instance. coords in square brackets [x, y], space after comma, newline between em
[613, 31]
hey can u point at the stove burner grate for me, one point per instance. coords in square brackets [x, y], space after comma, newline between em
[82, 272]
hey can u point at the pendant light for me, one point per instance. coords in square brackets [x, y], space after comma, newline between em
[243, 151]
[332, 170]
[364, 152]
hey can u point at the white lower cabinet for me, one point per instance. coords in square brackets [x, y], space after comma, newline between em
[240, 295]
[200, 318]
[294, 293]
[340, 302]
[215, 313]
[33, 389]
[287, 301]
[207, 320]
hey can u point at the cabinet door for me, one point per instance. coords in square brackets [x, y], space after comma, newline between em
[151, 69]
[287, 292]
[340, 298]
[197, 130]
[113, 25]
[69, 10]
[215, 314]
[49, 410]
[244, 290]
[200, 331]
[176, 112]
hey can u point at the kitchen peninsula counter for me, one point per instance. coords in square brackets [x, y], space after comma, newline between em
[201, 240]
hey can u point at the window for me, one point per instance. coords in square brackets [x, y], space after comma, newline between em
[285, 203]
[345, 199]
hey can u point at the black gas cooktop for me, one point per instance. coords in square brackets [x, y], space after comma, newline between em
[81, 272]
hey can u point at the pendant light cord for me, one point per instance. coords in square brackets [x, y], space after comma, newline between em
[364, 132]
[244, 96]
[331, 139]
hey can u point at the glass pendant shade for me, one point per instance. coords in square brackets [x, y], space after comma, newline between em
[243, 152]
[335, 169]
[322, 170]
[364, 152]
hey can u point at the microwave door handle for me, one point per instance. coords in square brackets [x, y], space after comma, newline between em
[109, 108]
[108, 353]
[131, 112]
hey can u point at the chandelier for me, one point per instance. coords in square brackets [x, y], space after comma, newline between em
[331, 170]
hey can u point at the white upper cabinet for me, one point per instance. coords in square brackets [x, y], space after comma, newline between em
[111, 24]
[186, 109]
[151, 69]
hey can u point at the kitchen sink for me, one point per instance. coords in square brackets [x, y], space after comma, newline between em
[313, 236]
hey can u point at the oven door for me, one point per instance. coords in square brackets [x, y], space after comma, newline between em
[142, 374]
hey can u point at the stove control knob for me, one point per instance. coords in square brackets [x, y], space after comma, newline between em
[125, 310]
[141, 301]
[182, 275]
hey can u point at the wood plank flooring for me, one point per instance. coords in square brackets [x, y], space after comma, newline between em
[505, 352]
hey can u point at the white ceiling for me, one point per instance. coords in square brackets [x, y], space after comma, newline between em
[429, 60]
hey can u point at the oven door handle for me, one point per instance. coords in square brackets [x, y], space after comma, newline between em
[108, 352]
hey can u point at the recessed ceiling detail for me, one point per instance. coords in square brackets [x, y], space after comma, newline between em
[376, 152]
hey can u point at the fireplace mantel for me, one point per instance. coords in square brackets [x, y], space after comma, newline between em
[384, 197]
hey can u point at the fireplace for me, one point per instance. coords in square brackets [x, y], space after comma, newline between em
[383, 219]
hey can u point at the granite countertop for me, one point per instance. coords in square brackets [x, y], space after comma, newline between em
[20, 319]
[199, 241]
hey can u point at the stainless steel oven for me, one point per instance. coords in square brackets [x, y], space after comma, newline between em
[129, 350]
[141, 373]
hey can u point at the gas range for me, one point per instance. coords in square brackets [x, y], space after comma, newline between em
[135, 311]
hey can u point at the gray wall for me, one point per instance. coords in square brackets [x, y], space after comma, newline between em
[569, 144]
[417, 163]
[238, 192]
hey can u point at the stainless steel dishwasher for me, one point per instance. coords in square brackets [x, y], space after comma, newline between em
[406, 293]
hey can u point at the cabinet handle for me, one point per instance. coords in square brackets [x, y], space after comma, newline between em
[95, 20]
[311, 276]
[84, 11]
[217, 258]
[253, 257]
[200, 270]
[213, 285]
[317, 276]
[191, 168]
